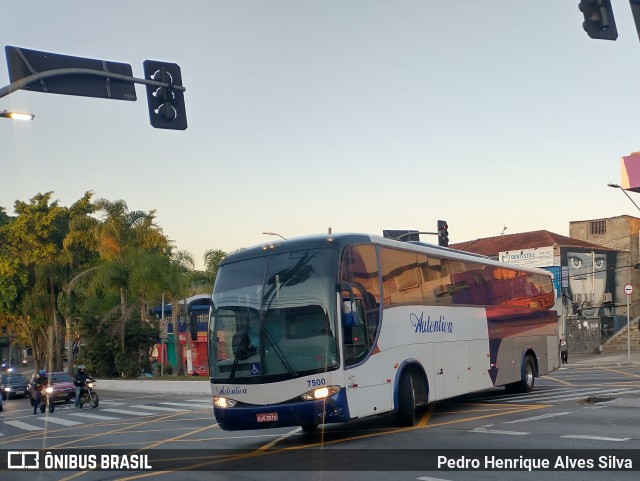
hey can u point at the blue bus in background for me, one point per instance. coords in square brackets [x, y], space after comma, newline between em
[192, 331]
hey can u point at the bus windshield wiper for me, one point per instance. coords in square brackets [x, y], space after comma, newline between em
[279, 353]
[242, 349]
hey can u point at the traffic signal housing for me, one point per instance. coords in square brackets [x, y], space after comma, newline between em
[598, 19]
[166, 104]
[443, 233]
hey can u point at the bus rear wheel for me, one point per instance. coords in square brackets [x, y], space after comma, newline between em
[528, 376]
[406, 401]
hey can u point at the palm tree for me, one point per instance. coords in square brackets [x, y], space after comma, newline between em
[118, 237]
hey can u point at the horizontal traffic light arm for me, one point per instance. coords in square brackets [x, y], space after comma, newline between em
[22, 83]
[400, 237]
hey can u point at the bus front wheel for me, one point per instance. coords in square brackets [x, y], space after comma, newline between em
[309, 428]
[406, 401]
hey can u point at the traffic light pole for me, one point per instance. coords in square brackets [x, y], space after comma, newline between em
[22, 83]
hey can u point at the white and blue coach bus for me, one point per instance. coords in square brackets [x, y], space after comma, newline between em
[332, 328]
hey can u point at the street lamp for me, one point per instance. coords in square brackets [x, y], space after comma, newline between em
[16, 115]
[628, 289]
[616, 186]
[275, 233]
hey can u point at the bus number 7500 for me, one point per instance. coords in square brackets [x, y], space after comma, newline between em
[315, 382]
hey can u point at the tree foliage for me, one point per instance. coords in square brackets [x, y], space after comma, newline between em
[88, 274]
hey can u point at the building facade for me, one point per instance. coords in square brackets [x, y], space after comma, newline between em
[587, 276]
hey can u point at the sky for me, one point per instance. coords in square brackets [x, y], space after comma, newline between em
[357, 115]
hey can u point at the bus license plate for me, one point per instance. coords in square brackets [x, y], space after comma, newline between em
[266, 417]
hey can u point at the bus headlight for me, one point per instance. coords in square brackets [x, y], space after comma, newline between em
[223, 402]
[320, 393]
[49, 390]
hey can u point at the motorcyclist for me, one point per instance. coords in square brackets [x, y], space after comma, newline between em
[80, 382]
[39, 384]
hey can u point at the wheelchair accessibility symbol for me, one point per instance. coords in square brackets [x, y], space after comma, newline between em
[255, 368]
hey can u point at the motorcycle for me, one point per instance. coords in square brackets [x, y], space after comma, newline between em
[45, 402]
[89, 396]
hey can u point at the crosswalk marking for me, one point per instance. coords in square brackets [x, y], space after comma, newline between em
[201, 401]
[569, 397]
[64, 422]
[183, 405]
[155, 408]
[96, 417]
[25, 426]
[125, 411]
[548, 395]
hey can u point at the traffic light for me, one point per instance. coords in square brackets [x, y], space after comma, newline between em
[166, 105]
[598, 19]
[443, 233]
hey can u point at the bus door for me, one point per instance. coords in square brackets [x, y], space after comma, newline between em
[368, 391]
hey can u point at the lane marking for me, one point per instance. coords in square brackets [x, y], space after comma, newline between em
[536, 418]
[621, 372]
[324, 443]
[279, 438]
[561, 381]
[498, 431]
[595, 438]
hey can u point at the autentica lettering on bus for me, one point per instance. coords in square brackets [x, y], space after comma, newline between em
[227, 391]
[430, 326]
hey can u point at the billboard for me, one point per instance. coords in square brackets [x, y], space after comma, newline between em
[536, 257]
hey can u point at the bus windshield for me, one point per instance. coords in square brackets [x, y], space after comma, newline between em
[273, 317]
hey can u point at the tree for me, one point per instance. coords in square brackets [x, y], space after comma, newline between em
[118, 237]
[212, 260]
[34, 241]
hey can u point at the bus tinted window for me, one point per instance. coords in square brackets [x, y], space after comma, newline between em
[401, 277]
[409, 278]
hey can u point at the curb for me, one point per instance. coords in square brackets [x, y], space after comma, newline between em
[143, 386]
[602, 364]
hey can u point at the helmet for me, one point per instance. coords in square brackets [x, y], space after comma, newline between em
[42, 373]
[81, 368]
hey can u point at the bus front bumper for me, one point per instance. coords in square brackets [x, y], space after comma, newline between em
[333, 409]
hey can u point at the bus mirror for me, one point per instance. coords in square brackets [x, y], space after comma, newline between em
[346, 287]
